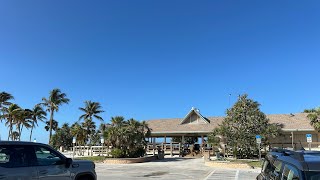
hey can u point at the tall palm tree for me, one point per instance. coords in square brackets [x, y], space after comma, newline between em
[89, 127]
[54, 125]
[11, 114]
[23, 120]
[4, 101]
[117, 121]
[37, 114]
[15, 136]
[91, 109]
[56, 99]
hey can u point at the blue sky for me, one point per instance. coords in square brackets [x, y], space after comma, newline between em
[157, 59]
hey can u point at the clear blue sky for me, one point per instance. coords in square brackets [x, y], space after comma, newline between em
[157, 59]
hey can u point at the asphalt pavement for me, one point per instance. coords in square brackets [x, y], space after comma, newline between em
[172, 168]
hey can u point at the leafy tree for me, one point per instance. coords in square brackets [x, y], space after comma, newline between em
[243, 121]
[11, 114]
[4, 101]
[79, 132]
[55, 100]
[55, 125]
[187, 140]
[15, 136]
[91, 110]
[62, 137]
[37, 114]
[127, 137]
[23, 120]
[314, 117]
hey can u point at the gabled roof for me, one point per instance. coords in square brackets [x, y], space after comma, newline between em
[191, 112]
[290, 122]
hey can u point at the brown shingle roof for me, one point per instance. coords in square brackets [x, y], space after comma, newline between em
[290, 122]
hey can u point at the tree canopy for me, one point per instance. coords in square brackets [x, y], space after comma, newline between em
[243, 121]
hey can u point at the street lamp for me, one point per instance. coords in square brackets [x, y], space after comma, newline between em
[73, 142]
[102, 143]
[34, 140]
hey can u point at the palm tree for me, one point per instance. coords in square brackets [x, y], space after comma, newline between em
[56, 99]
[91, 109]
[11, 114]
[90, 127]
[15, 136]
[4, 101]
[117, 121]
[314, 117]
[23, 120]
[38, 114]
[54, 125]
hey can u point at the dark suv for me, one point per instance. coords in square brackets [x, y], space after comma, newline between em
[291, 165]
[28, 160]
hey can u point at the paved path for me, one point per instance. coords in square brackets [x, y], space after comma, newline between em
[229, 174]
[170, 168]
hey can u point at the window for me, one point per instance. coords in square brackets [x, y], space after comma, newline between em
[47, 157]
[15, 156]
[290, 173]
[4, 157]
[275, 172]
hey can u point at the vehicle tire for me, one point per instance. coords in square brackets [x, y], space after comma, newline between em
[85, 177]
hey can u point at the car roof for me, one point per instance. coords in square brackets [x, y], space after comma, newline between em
[303, 160]
[20, 143]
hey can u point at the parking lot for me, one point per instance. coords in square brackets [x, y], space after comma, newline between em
[172, 168]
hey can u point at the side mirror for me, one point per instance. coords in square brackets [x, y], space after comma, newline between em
[68, 162]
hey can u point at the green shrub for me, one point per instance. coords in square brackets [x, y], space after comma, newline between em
[118, 153]
[138, 152]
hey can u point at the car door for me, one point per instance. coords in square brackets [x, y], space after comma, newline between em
[50, 164]
[16, 163]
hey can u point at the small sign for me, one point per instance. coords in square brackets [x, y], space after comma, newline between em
[309, 138]
[102, 140]
[258, 138]
[74, 140]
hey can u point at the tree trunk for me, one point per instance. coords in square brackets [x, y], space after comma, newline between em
[51, 119]
[31, 130]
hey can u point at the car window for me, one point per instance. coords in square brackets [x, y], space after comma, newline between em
[266, 166]
[46, 156]
[275, 172]
[290, 173]
[15, 156]
[4, 156]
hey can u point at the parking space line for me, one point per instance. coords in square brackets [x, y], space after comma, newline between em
[209, 175]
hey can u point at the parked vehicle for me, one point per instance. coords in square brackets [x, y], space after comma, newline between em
[28, 160]
[291, 165]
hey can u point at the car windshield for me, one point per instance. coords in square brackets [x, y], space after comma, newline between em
[313, 175]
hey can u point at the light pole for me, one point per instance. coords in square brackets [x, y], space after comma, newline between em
[102, 143]
[73, 142]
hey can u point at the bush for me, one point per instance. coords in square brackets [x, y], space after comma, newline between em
[118, 153]
[139, 152]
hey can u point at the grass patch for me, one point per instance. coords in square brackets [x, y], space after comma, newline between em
[96, 159]
[257, 164]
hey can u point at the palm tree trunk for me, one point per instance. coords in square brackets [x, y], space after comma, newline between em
[31, 130]
[10, 131]
[51, 119]
[20, 133]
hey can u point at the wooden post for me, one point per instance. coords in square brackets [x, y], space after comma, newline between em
[292, 140]
[154, 146]
[165, 144]
[171, 149]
